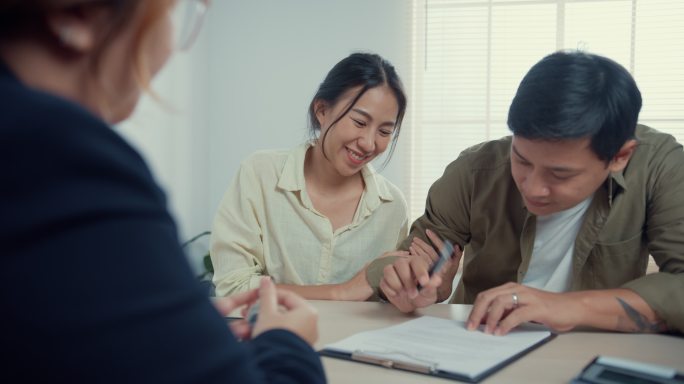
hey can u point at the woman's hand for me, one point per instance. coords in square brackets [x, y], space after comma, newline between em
[277, 309]
[357, 288]
[281, 309]
[227, 305]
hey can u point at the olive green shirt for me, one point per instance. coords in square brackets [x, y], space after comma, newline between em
[637, 212]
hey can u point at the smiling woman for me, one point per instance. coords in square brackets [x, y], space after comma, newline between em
[312, 217]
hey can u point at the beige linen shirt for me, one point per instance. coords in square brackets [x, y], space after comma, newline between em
[267, 225]
[637, 212]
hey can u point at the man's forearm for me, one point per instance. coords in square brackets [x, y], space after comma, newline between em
[619, 310]
[447, 287]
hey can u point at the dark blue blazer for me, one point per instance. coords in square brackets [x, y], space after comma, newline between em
[94, 287]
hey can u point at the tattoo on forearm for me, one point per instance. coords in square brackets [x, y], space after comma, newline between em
[636, 322]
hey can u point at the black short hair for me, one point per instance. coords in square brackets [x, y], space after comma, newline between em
[569, 95]
[367, 70]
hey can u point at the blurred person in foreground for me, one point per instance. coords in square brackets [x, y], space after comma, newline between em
[95, 287]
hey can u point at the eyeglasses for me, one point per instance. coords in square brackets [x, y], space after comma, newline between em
[188, 16]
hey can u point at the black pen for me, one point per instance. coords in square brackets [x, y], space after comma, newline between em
[253, 314]
[444, 255]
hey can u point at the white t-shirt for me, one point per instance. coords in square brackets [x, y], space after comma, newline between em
[550, 267]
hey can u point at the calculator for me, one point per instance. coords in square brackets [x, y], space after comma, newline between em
[613, 370]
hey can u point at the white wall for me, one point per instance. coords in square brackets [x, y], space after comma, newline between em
[246, 85]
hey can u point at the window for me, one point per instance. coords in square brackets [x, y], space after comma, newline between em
[470, 55]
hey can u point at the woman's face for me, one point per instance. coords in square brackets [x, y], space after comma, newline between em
[121, 86]
[363, 133]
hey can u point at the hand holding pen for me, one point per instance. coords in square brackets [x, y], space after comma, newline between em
[423, 268]
[271, 308]
[444, 255]
[282, 309]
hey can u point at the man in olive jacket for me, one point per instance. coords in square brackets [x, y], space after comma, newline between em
[557, 222]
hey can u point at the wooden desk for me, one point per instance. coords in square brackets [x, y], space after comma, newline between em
[555, 362]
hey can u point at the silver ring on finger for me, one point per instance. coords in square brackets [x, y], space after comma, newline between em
[516, 302]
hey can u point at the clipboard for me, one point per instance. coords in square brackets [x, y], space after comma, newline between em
[407, 362]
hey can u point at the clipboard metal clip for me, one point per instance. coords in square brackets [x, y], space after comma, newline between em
[373, 358]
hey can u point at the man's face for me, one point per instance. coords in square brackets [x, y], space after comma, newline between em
[553, 176]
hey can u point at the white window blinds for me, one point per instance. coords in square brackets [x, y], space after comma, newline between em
[470, 55]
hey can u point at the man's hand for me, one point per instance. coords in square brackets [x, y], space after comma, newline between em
[422, 249]
[399, 283]
[505, 307]
[400, 280]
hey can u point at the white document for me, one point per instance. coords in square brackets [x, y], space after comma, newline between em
[440, 345]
